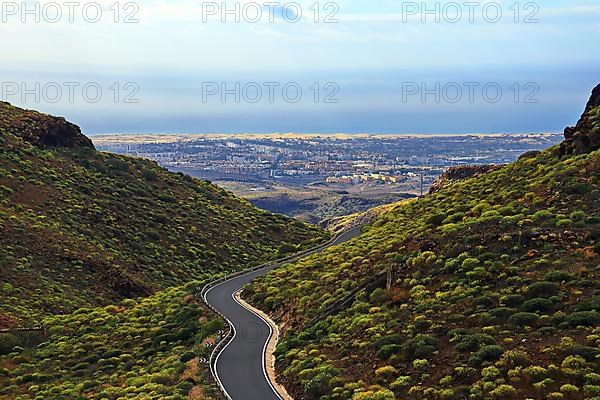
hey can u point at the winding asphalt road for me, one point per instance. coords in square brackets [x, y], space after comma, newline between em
[240, 366]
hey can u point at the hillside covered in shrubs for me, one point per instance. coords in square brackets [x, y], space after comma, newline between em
[494, 290]
[105, 252]
[81, 228]
[148, 348]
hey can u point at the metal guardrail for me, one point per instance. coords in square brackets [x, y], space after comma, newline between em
[202, 291]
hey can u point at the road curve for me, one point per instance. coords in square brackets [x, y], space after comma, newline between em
[240, 366]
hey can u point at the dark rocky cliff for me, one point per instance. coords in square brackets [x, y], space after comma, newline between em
[40, 129]
[585, 136]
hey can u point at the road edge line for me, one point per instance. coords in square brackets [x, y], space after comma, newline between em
[213, 368]
[269, 350]
[202, 293]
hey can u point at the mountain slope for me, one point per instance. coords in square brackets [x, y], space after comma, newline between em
[81, 228]
[146, 348]
[495, 291]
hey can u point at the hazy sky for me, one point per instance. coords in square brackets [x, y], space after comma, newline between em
[355, 66]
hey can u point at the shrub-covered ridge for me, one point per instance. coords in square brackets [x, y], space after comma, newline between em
[81, 228]
[138, 349]
[495, 294]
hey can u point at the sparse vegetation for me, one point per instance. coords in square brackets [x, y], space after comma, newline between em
[495, 293]
[79, 228]
[148, 348]
[100, 250]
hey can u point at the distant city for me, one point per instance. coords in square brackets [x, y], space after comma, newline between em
[336, 159]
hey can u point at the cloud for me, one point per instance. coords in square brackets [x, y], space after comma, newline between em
[172, 46]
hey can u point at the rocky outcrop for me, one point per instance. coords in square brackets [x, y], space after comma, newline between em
[40, 129]
[585, 136]
[461, 173]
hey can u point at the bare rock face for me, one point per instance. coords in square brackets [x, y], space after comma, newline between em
[40, 129]
[461, 173]
[585, 136]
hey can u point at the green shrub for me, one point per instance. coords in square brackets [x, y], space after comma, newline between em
[470, 264]
[436, 219]
[592, 379]
[537, 305]
[585, 352]
[391, 339]
[378, 296]
[187, 356]
[474, 342]
[80, 366]
[577, 215]
[421, 346]
[591, 390]
[402, 382]
[504, 392]
[320, 385]
[150, 175]
[502, 313]
[485, 301]
[184, 388]
[583, 318]
[153, 235]
[523, 319]
[422, 325]
[547, 330]
[512, 300]
[386, 373]
[592, 304]
[542, 289]
[486, 354]
[162, 378]
[542, 215]
[382, 394]
[559, 276]
[564, 223]
[286, 248]
[388, 350]
[516, 358]
[569, 389]
[578, 188]
[535, 372]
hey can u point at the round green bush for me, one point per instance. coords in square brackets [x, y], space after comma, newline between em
[187, 356]
[421, 346]
[564, 223]
[512, 300]
[543, 289]
[591, 390]
[559, 276]
[523, 319]
[537, 305]
[388, 350]
[502, 313]
[486, 354]
[474, 342]
[583, 318]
